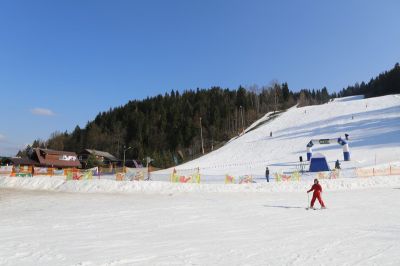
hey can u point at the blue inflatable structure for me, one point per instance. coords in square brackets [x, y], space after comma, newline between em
[318, 163]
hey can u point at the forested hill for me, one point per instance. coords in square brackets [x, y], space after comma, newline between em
[386, 83]
[167, 127]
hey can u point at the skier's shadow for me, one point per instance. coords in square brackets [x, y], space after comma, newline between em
[283, 207]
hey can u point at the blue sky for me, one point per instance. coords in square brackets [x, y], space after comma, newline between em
[63, 62]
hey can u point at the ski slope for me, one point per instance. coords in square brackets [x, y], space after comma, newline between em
[373, 125]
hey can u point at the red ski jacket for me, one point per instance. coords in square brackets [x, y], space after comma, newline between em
[317, 189]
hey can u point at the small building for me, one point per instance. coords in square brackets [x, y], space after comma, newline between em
[21, 166]
[55, 159]
[105, 158]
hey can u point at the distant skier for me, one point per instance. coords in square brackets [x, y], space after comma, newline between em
[267, 174]
[270, 134]
[316, 194]
[337, 164]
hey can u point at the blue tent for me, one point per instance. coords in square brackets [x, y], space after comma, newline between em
[318, 163]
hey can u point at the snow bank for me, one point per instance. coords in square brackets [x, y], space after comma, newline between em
[349, 98]
[110, 186]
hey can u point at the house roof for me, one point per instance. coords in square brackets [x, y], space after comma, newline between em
[54, 152]
[22, 161]
[64, 159]
[104, 154]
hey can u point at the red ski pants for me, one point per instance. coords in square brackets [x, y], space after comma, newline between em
[317, 196]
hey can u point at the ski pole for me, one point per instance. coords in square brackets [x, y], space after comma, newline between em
[308, 200]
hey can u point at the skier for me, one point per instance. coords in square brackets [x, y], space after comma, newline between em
[316, 194]
[337, 164]
[267, 174]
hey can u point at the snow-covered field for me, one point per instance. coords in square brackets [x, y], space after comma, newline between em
[261, 227]
[50, 221]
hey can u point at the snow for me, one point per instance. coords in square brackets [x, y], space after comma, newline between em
[51, 221]
[349, 98]
[360, 227]
[160, 187]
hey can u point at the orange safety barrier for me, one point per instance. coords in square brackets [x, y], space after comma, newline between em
[22, 171]
[366, 172]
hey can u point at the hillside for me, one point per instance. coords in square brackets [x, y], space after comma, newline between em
[171, 128]
[385, 83]
[373, 125]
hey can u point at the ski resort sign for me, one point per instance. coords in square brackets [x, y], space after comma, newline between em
[68, 158]
[324, 141]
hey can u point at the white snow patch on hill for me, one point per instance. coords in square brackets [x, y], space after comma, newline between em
[349, 98]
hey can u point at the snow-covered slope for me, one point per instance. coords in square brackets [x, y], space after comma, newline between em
[373, 125]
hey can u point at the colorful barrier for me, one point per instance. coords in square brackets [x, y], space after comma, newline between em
[279, 177]
[136, 174]
[245, 179]
[42, 171]
[6, 170]
[191, 176]
[328, 175]
[72, 174]
[22, 171]
[132, 174]
[58, 172]
[367, 172]
[229, 179]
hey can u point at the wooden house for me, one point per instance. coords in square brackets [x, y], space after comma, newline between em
[55, 159]
[105, 158]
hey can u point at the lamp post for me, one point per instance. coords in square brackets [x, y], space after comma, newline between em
[241, 117]
[123, 166]
[201, 136]
[148, 161]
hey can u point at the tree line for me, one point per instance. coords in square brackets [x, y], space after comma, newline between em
[386, 83]
[167, 127]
